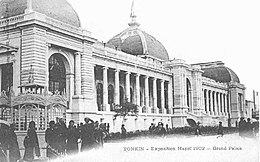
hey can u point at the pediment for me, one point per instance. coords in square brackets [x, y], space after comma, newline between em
[7, 49]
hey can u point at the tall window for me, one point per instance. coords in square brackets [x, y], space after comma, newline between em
[57, 74]
[111, 96]
[7, 77]
[100, 96]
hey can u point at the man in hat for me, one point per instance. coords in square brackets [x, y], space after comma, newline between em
[87, 135]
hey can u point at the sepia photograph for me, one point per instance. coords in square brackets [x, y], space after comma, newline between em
[129, 80]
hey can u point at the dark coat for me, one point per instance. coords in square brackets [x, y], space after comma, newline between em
[99, 136]
[14, 153]
[87, 136]
[220, 130]
[123, 132]
[51, 140]
[3, 144]
[242, 128]
[72, 140]
[61, 132]
[31, 145]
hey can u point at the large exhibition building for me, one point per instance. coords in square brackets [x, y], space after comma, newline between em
[50, 67]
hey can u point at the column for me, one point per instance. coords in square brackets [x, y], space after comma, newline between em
[0, 80]
[146, 93]
[216, 104]
[77, 74]
[219, 104]
[137, 92]
[127, 86]
[105, 91]
[226, 103]
[206, 104]
[154, 95]
[222, 104]
[137, 89]
[116, 99]
[212, 98]
[169, 97]
[162, 96]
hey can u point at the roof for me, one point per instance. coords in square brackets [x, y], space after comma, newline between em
[57, 9]
[220, 74]
[137, 42]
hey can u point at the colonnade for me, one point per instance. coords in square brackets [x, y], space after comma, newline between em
[216, 103]
[148, 92]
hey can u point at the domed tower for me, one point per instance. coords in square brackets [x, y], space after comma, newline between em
[47, 35]
[135, 41]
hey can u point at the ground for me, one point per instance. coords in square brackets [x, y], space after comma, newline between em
[229, 148]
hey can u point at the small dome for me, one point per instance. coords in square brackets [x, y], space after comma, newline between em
[220, 74]
[137, 42]
[57, 9]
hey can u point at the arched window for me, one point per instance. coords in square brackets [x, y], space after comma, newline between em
[57, 74]
[111, 96]
[100, 96]
[122, 95]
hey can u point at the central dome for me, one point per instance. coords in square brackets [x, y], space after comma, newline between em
[57, 9]
[137, 42]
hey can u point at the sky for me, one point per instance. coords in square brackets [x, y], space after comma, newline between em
[193, 30]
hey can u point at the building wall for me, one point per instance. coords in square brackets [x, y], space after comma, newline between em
[38, 37]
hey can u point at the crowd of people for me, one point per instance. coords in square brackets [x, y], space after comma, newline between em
[247, 128]
[63, 140]
[158, 129]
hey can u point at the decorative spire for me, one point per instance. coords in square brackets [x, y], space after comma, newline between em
[133, 22]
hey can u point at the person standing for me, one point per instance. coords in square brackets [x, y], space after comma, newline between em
[98, 134]
[220, 130]
[87, 135]
[14, 153]
[61, 136]
[242, 127]
[123, 131]
[249, 128]
[72, 139]
[31, 143]
[50, 139]
[198, 129]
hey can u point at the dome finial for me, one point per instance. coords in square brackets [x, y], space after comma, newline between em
[133, 22]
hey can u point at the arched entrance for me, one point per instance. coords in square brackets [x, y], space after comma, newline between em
[57, 74]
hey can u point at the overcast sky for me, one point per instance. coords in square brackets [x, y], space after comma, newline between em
[193, 30]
